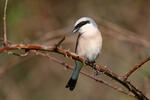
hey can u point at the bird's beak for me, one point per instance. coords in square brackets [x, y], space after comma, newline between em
[75, 30]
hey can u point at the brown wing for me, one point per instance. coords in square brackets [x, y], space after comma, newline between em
[77, 43]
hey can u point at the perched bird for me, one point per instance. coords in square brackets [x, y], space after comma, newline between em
[88, 45]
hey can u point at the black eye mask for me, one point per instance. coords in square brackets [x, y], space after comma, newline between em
[80, 25]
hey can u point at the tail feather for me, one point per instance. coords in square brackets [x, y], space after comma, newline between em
[73, 80]
[71, 84]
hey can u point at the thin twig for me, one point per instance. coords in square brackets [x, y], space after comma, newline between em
[59, 43]
[82, 72]
[5, 24]
[125, 77]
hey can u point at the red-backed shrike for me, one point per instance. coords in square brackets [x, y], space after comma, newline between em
[88, 45]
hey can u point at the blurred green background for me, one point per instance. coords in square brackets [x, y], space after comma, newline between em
[125, 27]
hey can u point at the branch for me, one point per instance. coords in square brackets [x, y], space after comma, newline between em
[5, 25]
[138, 94]
[135, 68]
[82, 72]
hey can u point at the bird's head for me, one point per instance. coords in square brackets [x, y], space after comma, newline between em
[84, 24]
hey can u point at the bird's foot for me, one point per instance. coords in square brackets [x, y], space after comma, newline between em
[96, 72]
[93, 65]
[87, 62]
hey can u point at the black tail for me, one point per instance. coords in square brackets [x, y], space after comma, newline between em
[71, 84]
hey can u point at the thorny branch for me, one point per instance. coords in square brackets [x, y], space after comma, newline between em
[82, 72]
[138, 94]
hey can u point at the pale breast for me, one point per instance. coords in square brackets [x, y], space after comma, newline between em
[89, 46]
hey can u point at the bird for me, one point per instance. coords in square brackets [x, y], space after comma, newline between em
[88, 45]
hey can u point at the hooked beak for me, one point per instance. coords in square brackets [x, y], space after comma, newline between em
[75, 30]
